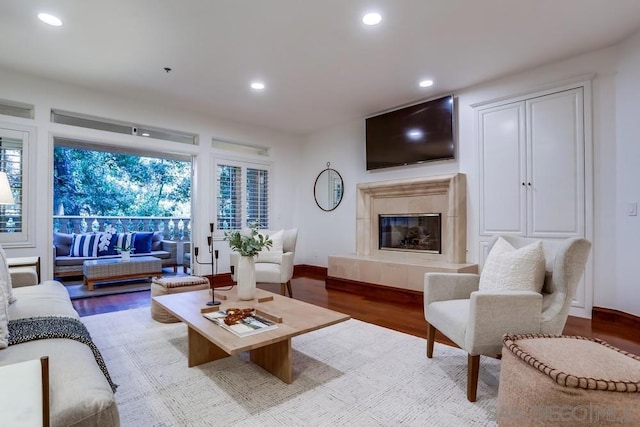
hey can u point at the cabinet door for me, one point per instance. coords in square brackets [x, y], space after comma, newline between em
[555, 165]
[502, 169]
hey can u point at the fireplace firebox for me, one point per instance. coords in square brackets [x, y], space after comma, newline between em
[411, 233]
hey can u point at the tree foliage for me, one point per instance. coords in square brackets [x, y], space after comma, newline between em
[101, 183]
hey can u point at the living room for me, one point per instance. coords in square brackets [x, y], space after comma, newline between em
[296, 156]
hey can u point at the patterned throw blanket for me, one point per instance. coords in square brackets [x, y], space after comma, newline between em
[47, 327]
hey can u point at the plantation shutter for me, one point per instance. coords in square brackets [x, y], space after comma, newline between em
[229, 200]
[258, 197]
[11, 162]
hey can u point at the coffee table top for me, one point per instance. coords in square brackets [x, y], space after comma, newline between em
[298, 317]
[102, 261]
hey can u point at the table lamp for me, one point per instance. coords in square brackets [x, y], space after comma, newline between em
[6, 196]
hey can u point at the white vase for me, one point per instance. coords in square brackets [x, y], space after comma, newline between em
[246, 278]
[125, 255]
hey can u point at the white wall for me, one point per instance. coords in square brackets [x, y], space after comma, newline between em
[46, 94]
[334, 233]
[627, 261]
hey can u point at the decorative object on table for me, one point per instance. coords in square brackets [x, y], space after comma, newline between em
[328, 189]
[125, 252]
[248, 242]
[213, 263]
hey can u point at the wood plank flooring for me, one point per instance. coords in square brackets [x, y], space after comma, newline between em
[401, 317]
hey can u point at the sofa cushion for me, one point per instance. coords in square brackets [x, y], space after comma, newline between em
[62, 242]
[50, 298]
[510, 269]
[156, 242]
[4, 318]
[85, 245]
[5, 278]
[142, 242]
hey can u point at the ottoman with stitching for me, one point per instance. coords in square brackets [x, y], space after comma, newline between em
[555, 380]
[173, 285]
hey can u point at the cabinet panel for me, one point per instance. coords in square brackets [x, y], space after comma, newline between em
[502, 169]
[555, 165]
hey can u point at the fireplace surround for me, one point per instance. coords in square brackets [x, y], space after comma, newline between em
[443, 194]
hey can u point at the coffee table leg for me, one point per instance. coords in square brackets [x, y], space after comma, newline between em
[201, 350]
[276, 359]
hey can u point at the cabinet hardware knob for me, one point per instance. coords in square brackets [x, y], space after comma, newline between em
[523, 183]
[529, 183]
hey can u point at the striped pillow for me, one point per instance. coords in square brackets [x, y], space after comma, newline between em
[84, 245]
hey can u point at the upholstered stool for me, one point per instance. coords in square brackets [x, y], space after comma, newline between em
[173, 285]
[555, 380]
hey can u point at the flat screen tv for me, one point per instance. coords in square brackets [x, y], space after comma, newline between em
[419, 133]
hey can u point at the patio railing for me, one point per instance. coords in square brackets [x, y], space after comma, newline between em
[173, 228]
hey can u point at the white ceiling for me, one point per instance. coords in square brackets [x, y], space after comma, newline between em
[321, 65]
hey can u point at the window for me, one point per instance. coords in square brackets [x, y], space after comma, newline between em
[243, 194]
[15, 161]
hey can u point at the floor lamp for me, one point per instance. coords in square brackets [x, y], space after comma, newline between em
[214, 259]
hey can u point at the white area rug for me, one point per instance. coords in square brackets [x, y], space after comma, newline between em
[353, 373]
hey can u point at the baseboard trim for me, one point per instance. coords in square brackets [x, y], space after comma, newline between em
[311, 271]
[609, 315]
[373, 291]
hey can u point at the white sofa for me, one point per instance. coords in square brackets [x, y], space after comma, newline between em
[80, 394]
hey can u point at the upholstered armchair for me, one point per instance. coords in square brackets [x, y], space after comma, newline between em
[476, 318]
[271, 268]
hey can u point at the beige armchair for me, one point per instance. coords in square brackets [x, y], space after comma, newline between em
[267, 272]
[477, 320]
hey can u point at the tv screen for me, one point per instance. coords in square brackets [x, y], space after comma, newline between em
[415, 134]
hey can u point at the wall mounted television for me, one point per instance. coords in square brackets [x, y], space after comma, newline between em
[419, 133]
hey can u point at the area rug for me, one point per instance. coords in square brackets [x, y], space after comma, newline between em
[352, 373]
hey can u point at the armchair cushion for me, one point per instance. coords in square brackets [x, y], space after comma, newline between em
[510, 269]
[273, 254]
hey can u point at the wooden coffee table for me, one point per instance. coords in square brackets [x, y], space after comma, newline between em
[270, 349]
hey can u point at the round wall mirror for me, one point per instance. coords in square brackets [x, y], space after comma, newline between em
[328, 189]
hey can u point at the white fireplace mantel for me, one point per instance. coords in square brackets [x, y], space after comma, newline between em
[444, 194]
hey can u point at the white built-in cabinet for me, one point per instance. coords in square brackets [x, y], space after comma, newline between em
[534, 169]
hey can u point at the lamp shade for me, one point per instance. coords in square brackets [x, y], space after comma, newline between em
[6, 196]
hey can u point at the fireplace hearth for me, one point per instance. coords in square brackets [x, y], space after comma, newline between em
[410, 232]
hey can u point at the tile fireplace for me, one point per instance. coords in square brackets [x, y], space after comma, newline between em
[397, 237]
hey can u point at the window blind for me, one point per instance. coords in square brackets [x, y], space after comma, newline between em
[258, 197]
[229, 200]
[11, 162]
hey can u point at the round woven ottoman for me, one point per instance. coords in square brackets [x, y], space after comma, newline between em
[555, 380]
[173, 285]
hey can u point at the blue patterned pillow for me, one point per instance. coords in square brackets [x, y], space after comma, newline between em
[84, 245]
[107, 242]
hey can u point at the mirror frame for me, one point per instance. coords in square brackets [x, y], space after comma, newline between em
[315, 188]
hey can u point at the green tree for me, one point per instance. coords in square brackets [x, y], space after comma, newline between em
[103, 183]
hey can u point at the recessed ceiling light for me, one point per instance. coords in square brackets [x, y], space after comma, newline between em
[145, 134]
[372, 18]
[426, 83]
[257, 85]
[50, 19]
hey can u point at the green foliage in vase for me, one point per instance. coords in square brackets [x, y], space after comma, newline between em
[248, 241]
